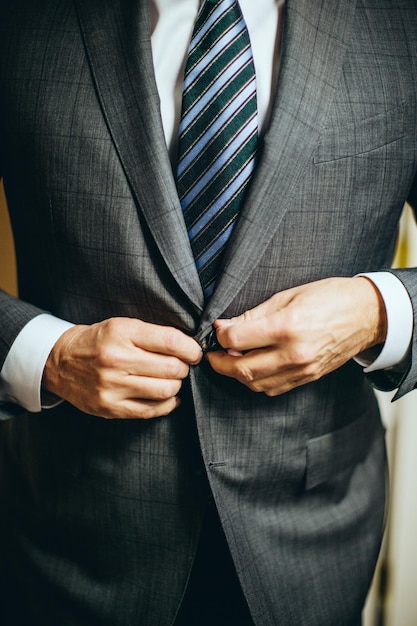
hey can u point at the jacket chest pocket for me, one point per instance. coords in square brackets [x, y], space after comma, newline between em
[357, 139]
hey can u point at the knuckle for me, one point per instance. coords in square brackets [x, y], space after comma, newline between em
[107, 356]
[302, 357]
[153, 410]
[103, 380]
[292, 324]
[167, 409]
[244, 375]
[256, 387]
[167, 390]
[231, 337]
[102, 400]
[172, 339]
[312, 372]
[112, 326]
[149, 411]
[175, 369]
[271, 393]
[247, 376]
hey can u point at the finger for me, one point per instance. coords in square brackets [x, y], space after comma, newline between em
[260, 372]
[278, 385]
[139, 347]
[274, 303]
[250, 367]
[134, 408]
[252, 333]
[167, 341]
[147, 388]
[140, 362]
[142, 394]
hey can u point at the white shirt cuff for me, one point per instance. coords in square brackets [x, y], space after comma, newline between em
[21, 374]
[399, 318]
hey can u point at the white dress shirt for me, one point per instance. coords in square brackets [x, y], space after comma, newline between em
[171, 28]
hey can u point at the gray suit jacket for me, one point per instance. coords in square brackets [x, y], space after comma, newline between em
[102, 517]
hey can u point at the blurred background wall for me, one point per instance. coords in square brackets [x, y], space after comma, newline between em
[392, 600]
[7, 259]
[393, 597]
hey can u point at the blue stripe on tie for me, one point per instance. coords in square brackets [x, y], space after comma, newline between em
[227, 38]
[230, 191]
[212, 130]
[230, 150]
[208, 291]
[218, 11]
[215, 88]
[218, 133]
[215, 247]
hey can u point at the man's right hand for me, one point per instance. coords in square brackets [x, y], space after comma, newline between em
[121, 368]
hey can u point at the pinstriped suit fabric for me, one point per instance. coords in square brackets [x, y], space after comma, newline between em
[102, 517]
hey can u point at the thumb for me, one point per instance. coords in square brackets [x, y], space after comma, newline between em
[255, 328]
[258, 312]
[240, 333]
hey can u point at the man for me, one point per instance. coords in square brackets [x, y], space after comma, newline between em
[276, 432]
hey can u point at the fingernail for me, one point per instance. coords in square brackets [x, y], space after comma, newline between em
[223, 322]
[232, 352]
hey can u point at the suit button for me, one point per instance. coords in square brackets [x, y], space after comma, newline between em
[209, 343]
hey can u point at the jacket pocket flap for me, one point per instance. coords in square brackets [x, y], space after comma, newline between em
[334, 452]
[362, 137]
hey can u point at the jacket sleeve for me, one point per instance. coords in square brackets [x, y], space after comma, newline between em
[14, 315]
[404, 375]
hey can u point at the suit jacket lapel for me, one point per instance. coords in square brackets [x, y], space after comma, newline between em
[314, 41]
[117, 40]
[116, 34]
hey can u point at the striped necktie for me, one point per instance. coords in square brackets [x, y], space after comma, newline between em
[218, 132]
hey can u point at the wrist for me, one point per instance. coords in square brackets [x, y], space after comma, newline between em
[56, 358]
[376, 314]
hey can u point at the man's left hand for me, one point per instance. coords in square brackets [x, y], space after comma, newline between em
[301, 334]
